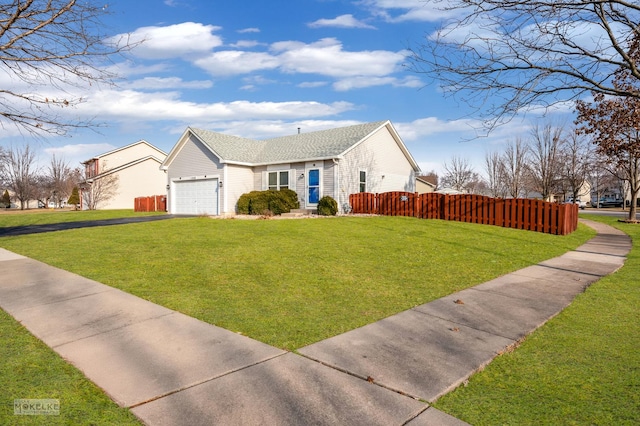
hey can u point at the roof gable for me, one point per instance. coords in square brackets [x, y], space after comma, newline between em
[318, 145]
[160, 152]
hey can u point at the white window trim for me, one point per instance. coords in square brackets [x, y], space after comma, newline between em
[265, 179]
[366, 180]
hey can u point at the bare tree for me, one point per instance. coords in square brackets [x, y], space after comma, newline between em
[495, 175]
[544, 166]
[614, 123]
[51, 46]
[575, 165]
[3, 160]
[62, 179]
[515, 161]
[529, 53]
[459, 175]
[98, 189]
[19, 171]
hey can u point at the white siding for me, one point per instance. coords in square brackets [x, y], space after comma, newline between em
[129, 154]
[237, 181]
[140, 180]
[386, 165]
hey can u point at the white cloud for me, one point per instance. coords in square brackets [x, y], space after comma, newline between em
[342, 21]
[409, 10]
[326, 57]
[312, 84]
[74, 154]
[232, 62]
[246, 44]
[422, 127]
[364, 82]
[361, 83]
[249, 30]
[166, 83]
[129, 105]
[173, 41]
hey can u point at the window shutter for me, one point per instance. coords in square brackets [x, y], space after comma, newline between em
[292, 179]
[264, 181]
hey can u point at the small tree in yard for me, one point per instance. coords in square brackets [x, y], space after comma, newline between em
[99, 189]
[74, 199]
[614, 124]
[6, 199]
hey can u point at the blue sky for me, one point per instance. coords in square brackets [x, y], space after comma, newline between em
[261, 69]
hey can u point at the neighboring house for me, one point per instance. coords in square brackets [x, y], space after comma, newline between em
[207, 171]
[424, 185]
[137, 167]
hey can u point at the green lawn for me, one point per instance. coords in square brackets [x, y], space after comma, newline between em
[47, 216]
[581, 368]
[30, 370]
[290, 283]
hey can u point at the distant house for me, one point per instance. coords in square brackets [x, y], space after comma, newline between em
[425, 184]
[208, 171]
[137, 168]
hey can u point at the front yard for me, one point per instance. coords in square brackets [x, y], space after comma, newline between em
[290, 283]
[293, 282]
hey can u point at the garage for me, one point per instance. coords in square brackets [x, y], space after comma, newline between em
[197, 197]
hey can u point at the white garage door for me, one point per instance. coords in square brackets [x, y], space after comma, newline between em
[196, 196]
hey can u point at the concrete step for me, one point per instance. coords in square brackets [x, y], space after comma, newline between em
[299, 213]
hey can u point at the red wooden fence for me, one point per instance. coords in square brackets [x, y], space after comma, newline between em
[155, 203]
[519, 213]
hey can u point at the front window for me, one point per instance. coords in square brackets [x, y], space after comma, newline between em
[278, 180]
[363, 181]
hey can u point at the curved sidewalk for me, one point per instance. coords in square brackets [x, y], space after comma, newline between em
[171, 369]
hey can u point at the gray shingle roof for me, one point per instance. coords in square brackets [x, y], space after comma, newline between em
[321, 144]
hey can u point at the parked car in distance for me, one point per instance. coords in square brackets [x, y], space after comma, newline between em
[609, 202]
[581, 204]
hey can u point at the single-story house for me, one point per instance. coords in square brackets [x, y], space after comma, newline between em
[207, 171]
[136, 170]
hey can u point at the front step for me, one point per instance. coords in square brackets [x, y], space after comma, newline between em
[299, 213]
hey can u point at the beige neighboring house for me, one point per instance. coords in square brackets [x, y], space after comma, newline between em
[207, 172]
[424, 186]
[137, 167]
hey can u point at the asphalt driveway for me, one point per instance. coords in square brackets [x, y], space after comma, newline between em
[11, 231]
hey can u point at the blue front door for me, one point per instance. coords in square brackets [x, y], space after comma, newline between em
[313, 185]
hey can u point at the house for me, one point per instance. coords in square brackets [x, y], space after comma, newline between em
[425, 184]
[134, 168]
[208, 171]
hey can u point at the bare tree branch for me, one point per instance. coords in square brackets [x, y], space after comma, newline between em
[505, 56]
[51, 46]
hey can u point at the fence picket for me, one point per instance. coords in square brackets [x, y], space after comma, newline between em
[155, 203]
[533, 215]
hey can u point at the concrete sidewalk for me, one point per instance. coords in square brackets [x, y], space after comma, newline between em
[171, 369]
